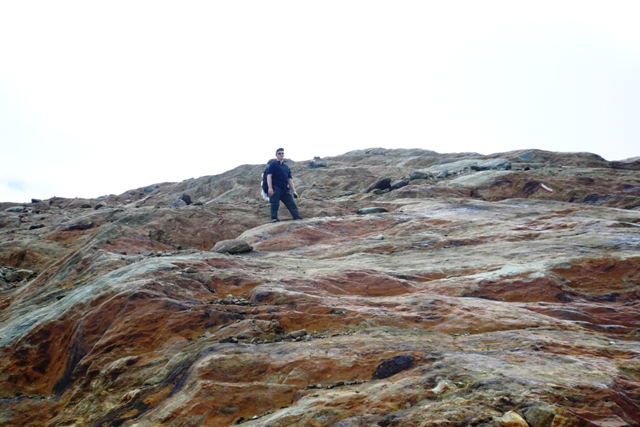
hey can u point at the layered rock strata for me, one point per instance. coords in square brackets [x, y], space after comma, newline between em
[476, 298]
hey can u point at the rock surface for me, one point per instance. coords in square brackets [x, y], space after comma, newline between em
[486, 302]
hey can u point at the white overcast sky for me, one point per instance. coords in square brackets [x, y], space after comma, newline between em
[99, 97]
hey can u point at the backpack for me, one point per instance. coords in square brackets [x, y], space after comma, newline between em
[265, 186]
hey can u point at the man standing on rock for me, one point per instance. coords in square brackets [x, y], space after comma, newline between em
[280, 182]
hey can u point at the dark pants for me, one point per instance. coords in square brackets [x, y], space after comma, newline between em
[281, 194]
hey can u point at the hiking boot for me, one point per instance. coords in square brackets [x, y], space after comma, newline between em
[275, 220]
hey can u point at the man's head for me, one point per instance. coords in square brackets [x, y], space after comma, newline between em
[280, 152]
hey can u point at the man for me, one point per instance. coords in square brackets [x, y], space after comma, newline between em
[280, 182]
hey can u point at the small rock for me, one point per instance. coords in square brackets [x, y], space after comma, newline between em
[36, 201]
[186, 198]
[419, 175]
[15, 209]
[371, 210]
[298, 334]
[13, 276]
[389, 367]
[442, 387]
[232, 246]
[85, 206]
[100, 206]
[512, 419]
[151, 188]
[179, 203]
[36, 226]
[381, 184]
[379, 237]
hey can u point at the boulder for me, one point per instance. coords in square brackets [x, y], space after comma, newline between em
[381, 184]
[179, 203]
[232, 246]
[419, 175]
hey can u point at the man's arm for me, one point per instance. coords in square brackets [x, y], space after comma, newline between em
[270, 184]
[291, 186]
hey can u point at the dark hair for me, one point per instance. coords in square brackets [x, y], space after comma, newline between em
[279, 149]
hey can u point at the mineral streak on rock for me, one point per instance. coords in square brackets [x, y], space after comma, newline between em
[474, 298]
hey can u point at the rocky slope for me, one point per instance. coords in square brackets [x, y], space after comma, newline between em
[422, 289]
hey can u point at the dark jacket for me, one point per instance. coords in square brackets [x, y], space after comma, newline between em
[280, 174]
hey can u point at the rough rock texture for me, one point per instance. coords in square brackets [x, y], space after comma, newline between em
[232, 246]
[476, 299]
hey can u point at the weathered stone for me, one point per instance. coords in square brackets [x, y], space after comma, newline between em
[298, 334]
[179, 203]
[381, 184]
[512, 419]
[371, 210]
[390, 367]
[539, 416]
[15, 209]
[419, 175]
[232, 246]
[17, 275]
[399, 184]
[186, 198]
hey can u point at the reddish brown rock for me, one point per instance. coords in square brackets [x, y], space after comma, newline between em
[476, 299]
